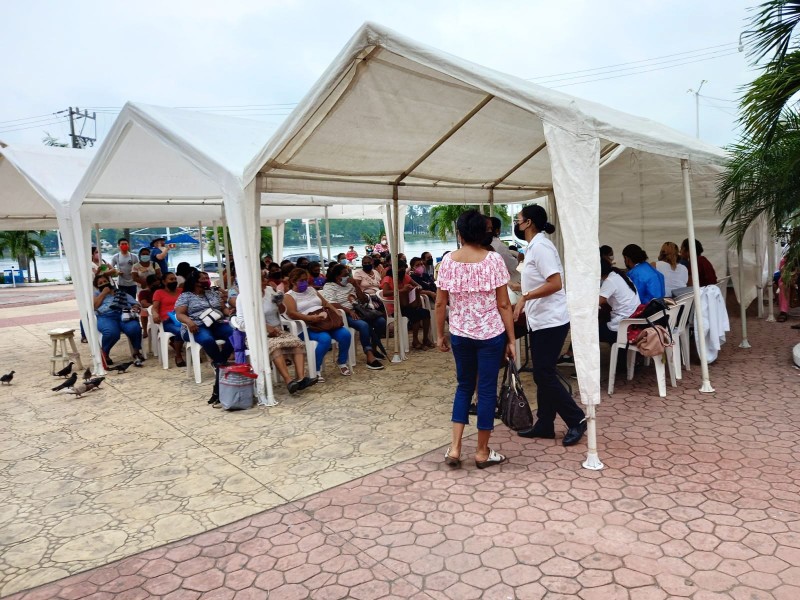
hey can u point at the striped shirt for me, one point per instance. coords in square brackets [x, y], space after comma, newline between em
[339, 294]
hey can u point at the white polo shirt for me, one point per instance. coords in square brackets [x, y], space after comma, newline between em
[542, 261]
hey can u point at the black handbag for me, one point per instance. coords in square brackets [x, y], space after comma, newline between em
[515, 412]
[366, 312]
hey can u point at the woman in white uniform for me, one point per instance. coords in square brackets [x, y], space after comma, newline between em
[545, 304]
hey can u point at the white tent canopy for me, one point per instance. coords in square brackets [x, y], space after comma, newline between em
[391, 118]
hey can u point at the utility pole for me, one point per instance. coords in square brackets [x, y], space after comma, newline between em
[697, 107]
[79, 140]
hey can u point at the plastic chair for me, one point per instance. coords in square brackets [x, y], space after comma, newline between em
[152, 334]
[297, 327]
[353, 337]
[163, 345]
[722, 284]
[430, 306]
[192, 351]
[402, 330]
[622, 342]
[680, 333]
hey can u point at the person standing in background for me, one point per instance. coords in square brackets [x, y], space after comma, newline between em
[159, 253]
[122, 263]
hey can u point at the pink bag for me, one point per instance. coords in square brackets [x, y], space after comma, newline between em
[653, 341]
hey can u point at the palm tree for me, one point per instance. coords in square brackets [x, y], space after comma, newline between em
[49, 140]
[23, 245]
[444, 217]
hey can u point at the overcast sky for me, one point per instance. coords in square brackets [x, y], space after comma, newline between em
[233, 53]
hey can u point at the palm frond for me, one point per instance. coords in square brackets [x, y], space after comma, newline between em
[771, 29]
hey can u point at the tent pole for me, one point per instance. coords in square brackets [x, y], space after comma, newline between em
[397, 357]
[491, 202]
[228, 254]
[61, 255]
[200, 237]
[319, 242]
[328, 233]
[770, 280]
[97, 237]
[217, 248]
[698, 310]
[742, 307]
[759, 272]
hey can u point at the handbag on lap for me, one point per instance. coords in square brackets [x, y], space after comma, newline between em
[333, 320]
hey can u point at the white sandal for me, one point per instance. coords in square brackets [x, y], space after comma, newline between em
[345, 370]
[495, 458]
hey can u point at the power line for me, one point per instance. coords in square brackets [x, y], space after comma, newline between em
[631, 62]
[62, 120]
[49, 116]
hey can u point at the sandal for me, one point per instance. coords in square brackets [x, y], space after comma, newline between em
[782, 317]
[451, 460]
[84, 341]
[417, 345]
[345, 370]
[495, 458]
[180, 363]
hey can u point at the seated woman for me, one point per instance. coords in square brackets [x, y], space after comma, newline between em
[315, 276]
[145, 298]
[367, 277]
[648, 282]
[704, 267]
[303, 303]
[341, 293]
[281, 343]
[675, 274]
[197, 298]
[116, 314]
[618, 291]
[427, 260]
[164, 303]
[419, 275]
[410, 307]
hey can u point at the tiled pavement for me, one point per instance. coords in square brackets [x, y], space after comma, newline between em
[699, 499]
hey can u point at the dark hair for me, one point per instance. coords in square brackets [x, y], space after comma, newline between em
[697, 246]
[606, 251]
[415, 260]
[334, 272]
[94, 249]
[537, 215]
[98, 276]
[192, 278]
[402, 264]
[340, 256]
[285, 261]
[183, 269]
[274, 267]
[471, 226]
[120, 240]
[635, 253]
[145, 249]
[158, 239]
[287, 268]
[606, 269]
[497, 224]
[152, 279]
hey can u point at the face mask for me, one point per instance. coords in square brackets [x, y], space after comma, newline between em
[343, 261]
[383, 242]
[487, 239]
[145, 258]
[429, 261]
[124, 247]
[205, 285]
[275, 276]
[344, 280]
[519, 233]
[419, 270]
[367, 268]
[172, 286]
[302, 285]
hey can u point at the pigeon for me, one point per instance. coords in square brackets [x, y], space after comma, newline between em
[93, 384]
[121, 368]
[68, 383]
[77, 389]
[66, 370]
[87, 374]
[7, 378]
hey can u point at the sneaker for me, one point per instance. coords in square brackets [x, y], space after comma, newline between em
[137, 363]
[375, 365]
[565, 361]
[139, 356]
[378, 355]
[293, 386]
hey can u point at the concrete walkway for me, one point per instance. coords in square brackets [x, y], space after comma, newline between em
[699, 498]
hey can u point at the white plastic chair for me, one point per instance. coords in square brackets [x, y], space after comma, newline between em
[722, 284]
[622, 342]
[192, 351]
[680, 333]
[402, 330]
[296, 328]
[152, 333]
[163, 345]
[430, 306]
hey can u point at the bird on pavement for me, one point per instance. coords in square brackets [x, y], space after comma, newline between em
[93, 384]
[77, 389]
[68, 383]
[66, 370]
[7, 378]
[121, 368]
[87, 374]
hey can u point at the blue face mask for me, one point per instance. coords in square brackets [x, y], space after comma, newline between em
[343, 261]
[145, 258]
[344, 280]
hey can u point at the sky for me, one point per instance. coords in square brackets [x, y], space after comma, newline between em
[257, 58]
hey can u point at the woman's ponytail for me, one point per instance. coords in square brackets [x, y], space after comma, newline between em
[549, 228]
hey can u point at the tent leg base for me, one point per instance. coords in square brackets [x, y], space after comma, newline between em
[593, 462]
[396, 359]
[771, 319]
[745, 344]
[706, 388]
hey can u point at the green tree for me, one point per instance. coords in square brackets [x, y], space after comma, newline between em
[444, 217]
[49, 140]
[266, 240]
[23, 245]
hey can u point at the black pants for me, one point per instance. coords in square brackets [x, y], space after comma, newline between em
[552, 398]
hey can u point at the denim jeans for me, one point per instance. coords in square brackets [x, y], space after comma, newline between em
[369, 332]
[324, 342]
[170, 327]
[477, 365]
[551, 397]
[207, 337]
[111, 326]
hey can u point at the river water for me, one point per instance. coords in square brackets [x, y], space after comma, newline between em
[51, 268]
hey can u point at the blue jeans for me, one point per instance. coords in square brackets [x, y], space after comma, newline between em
[170, 327]
[369, 333]
[111, 326]
[477, 365]
[324, 338]
[207, 337]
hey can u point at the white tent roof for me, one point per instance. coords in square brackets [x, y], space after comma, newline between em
[390, 110]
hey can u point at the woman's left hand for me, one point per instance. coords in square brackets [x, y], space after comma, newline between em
[442, 344]
[518, 308]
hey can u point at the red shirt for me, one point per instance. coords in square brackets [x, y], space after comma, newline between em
[390, 281]
[167, 301]
[706, 272]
